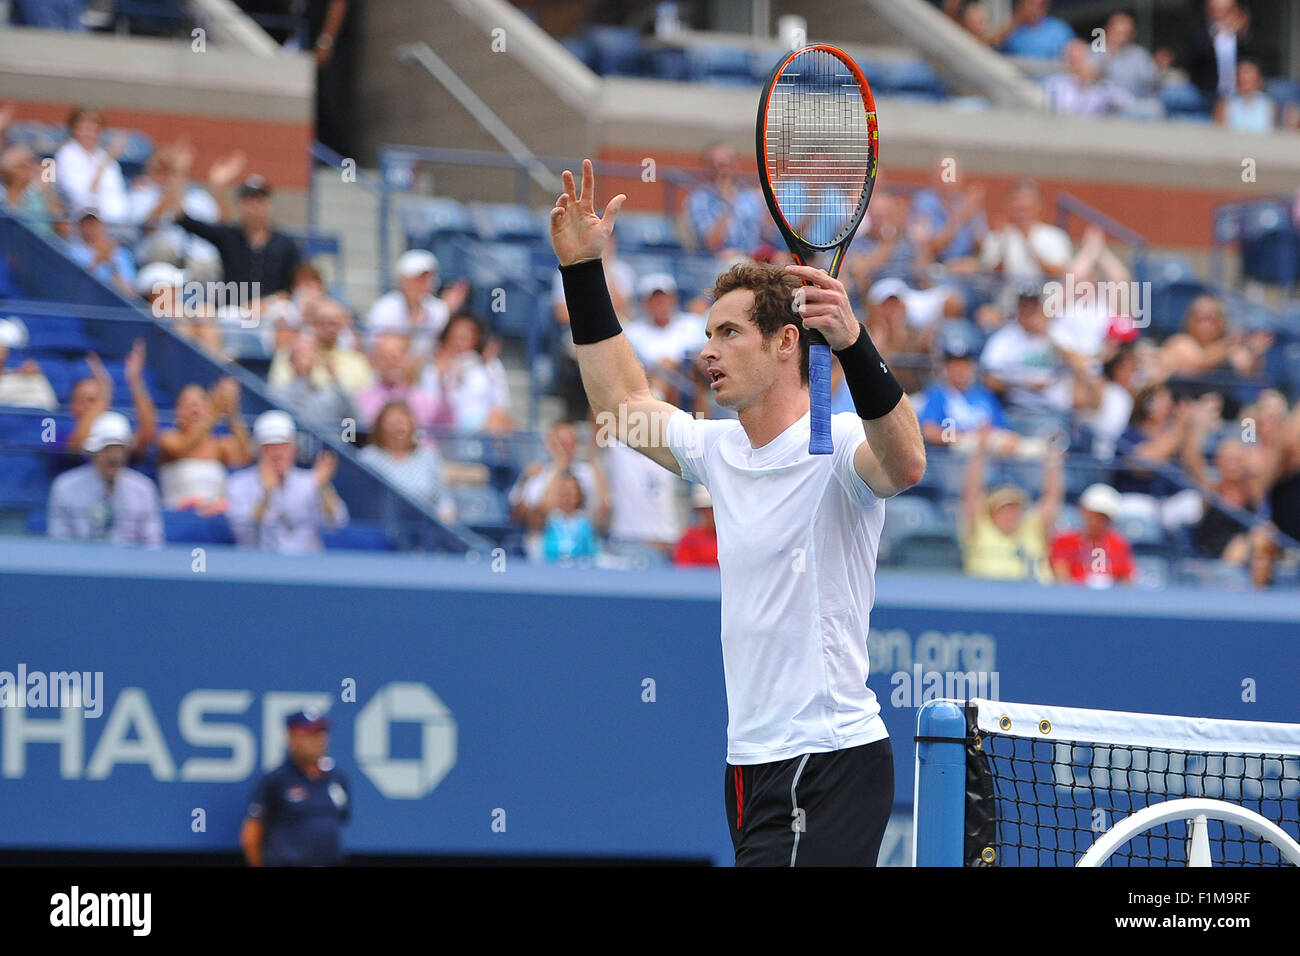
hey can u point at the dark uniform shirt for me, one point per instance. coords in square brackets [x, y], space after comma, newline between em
[302, 817]
[273, 265]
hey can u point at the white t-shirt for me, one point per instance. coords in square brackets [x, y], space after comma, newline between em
[389, 314]
[797, 542]
[75, 169]
[1022, 360]
[1008, 247]
[653, 343]
[643, 497]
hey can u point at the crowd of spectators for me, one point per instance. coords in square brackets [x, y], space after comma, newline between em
[954, 291]
[1110, 73]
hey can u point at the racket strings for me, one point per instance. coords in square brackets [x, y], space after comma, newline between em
[820, 149]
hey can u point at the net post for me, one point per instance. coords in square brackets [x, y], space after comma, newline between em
[940, 799]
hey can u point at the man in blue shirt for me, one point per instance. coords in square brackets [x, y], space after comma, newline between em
[726, 215]
[299, 809]
[958, 404]
[1032, 32]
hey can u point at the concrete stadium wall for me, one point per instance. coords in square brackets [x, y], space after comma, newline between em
[483, 689]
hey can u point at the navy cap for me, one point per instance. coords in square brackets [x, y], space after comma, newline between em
[307, 719]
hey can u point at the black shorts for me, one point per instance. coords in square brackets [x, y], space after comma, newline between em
[825, 809]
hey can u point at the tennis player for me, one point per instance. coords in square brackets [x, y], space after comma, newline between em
[810, 773]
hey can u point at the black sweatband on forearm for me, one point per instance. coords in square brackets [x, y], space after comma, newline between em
[591, 312]
[874, 389]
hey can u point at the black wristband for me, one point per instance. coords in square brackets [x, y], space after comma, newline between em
[874, 389]
[591, 311]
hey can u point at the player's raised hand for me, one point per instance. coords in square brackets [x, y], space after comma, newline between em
[577, 233]
[824, 305]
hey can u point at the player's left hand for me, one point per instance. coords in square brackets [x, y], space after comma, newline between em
[824, 306]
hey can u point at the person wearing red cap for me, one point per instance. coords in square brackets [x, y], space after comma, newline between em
[298, 809]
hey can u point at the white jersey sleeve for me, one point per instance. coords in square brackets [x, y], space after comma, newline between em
[848, 434]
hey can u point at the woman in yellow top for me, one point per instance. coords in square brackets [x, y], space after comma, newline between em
[1002, 536]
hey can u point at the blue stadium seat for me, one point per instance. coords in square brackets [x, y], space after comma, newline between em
[644, 265]
[61, 374]
[1184, 101]
[37, 522]
[617, 51]
[504, 291]
[647, 232]
[1285, 92]
[1269, 244]
[1164, 268]
[1151, 571]
[1286, 355]
[138, 149]
[480, 506]
[914, 78]
[928, 552]
[24, 478]
[1170, 301]
[24, 429]
[43, 139]
[1145, 536]
[669, 63]
[187, 527]
[357, 536]
[443, 226]
[720, 64]
[56, 333]
[907, 516]
[696, 274]
[582, 48]
[507, 222]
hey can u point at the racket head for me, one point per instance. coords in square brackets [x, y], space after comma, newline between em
[817, 146]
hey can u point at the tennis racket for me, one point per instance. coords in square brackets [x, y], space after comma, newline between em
[817, 146]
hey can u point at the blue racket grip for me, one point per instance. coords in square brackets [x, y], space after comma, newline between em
[819, 388]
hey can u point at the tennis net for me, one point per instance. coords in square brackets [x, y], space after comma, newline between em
[1002, 784]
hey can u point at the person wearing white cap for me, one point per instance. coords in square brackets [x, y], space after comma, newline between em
[27, 386]
[162, 286]
[274, 506]
[1096, 555]
[104, 500]
[699, 544]
[666, 337]
[412, 309]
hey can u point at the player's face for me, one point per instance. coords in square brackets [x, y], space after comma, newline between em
[740, 366]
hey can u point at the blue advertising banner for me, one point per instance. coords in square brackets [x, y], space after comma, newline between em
[481, 708]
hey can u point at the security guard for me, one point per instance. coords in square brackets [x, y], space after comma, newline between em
[299, 808]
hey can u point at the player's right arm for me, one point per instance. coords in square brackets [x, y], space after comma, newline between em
[611, 373]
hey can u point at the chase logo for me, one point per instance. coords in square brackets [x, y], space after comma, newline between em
[214, 743]
[405, 778]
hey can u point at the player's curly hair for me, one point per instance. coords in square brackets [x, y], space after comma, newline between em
[773, 309]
